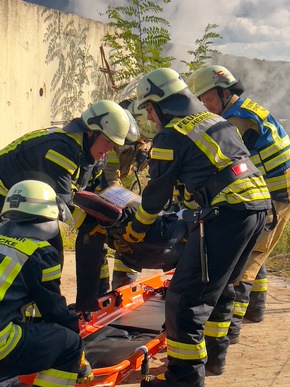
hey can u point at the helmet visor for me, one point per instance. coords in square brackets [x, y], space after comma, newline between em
[133, 133]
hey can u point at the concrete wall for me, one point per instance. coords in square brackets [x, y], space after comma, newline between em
[50, 67]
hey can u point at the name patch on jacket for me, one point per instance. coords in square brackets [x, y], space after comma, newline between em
[255, 108]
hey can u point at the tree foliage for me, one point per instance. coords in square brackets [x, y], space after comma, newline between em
[138, 42]
[203, 50]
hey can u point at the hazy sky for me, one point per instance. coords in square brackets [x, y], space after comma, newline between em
[252, 28]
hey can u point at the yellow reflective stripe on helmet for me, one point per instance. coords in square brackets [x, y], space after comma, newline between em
[105, 273]
[144, 217]
[9, 338]
[259, 285]
[240, 308]
[112, 157]
[120, 266]
[61, 160]
[162, 154]
[51, 273]
[186, 351]
[78, 216]
[55, 378]
[216, 328]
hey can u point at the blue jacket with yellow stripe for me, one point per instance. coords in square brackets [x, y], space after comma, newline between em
[267, 141]
[191, 151]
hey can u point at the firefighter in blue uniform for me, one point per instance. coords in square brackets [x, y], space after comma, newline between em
[269, 145]
[30, 273]
[205, 153]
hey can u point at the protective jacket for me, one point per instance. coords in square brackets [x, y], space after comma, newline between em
[31, 274]
[268, 142]
[191, 150]
[122, 164]
[50, 155]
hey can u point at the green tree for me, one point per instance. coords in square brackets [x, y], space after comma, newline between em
[137, 44]
[203, 50]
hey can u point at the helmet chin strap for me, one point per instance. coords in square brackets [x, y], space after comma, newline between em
[224, 100]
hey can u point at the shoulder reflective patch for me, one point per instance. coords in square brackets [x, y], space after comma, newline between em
[255, 108]
[162, 154]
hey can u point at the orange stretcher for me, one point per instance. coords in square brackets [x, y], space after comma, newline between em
[125, 332]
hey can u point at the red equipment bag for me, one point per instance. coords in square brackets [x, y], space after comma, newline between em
[106, 213]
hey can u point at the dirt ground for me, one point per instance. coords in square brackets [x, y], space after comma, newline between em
[261, 359]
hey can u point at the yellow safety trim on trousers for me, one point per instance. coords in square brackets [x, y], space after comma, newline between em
[186, 351]
[112, 158]
[279, 182]
[120, 266]
[51, 273]
[144, 217]
[62, 161]
[78, 216]
[3, 189]
[9, 338]
[129, 180]
[255, 108]
[260, 285]
[105, 273]
[55, 378]
[162, 154]
[240, 308]
[216, 328]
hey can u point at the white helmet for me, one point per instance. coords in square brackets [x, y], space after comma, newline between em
[147, 128]
[109, 118]
[212, 77]
[31, 199]
[158, 85]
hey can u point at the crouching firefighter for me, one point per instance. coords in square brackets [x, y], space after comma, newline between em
[31, 272]
[205, 153]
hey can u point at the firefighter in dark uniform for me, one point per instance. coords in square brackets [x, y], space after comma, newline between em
[269, 145]
[205, 153]
[30, 272]
[58, 156]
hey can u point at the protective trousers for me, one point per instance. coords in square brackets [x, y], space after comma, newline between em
[49, 349]
[89, 253]
[250, 298]
[251, 290]
[230, 238]
[122, 274]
